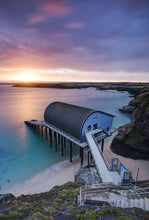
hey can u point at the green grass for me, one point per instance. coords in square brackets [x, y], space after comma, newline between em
[115, 192]
[134, 136]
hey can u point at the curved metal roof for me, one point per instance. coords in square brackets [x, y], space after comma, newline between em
[69, 118]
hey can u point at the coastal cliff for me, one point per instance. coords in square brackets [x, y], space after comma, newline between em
[132, 139]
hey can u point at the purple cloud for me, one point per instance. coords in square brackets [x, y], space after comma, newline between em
[48, 10]
[75, 25]
[10, 49]
[56, 8]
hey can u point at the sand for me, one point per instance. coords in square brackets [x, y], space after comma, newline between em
[43, 182]
[64, 172]
[131, 164]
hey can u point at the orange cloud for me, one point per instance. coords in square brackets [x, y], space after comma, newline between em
[56, 8]
[75, 25]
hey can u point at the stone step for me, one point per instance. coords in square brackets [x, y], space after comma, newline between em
[113, 203]
[130, 203]
[135, 203]
[142, 203]
[146, 204]
[127, 204]
[123, 204]
[118, 203]
[139, 203]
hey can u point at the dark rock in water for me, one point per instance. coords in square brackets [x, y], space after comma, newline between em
[6, 197]
[127, 109]
[8, 181]
[132, 139]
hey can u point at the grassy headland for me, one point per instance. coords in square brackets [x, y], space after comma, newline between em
[134, 88]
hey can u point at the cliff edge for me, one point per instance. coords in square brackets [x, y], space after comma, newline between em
[132, 139]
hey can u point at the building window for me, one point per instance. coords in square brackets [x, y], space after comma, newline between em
[89, 128]
[95, 126]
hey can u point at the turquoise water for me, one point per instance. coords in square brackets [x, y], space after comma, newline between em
[23, 152]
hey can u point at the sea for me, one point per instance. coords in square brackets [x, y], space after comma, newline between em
[24, 153]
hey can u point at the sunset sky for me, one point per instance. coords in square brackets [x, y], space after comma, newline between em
[74, 40]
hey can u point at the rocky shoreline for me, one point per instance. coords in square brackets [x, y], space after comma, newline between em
[132, 139]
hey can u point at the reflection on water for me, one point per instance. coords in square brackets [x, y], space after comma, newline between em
[23, 152]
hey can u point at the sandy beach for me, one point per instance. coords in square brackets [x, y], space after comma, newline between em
[64, 172]
[43, 182]
[131, 164]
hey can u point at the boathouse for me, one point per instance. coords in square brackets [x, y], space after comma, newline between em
[76, 120]
[67, 126]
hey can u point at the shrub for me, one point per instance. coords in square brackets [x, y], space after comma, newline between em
[105, 212]
[94, 216]
[81, 217]
[116, 212]
[123, 218]
[13, 208]
[48, 213]
[38, 215]
[14, 215]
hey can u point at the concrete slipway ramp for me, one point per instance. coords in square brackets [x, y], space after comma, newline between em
[106, 175]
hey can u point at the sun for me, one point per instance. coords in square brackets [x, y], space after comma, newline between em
[26, 78]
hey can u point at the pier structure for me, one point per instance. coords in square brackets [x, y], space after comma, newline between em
[58, 136]
[85, 128]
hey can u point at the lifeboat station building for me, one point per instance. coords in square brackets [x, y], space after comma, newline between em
[76, 120]
[65, 124]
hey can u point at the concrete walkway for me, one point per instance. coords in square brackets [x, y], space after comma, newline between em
[99, 162]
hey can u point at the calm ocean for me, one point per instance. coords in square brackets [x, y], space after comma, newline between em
[23, 152]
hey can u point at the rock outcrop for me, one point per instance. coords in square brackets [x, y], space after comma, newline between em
[132, 139]
[6, 197]
[127, 109]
